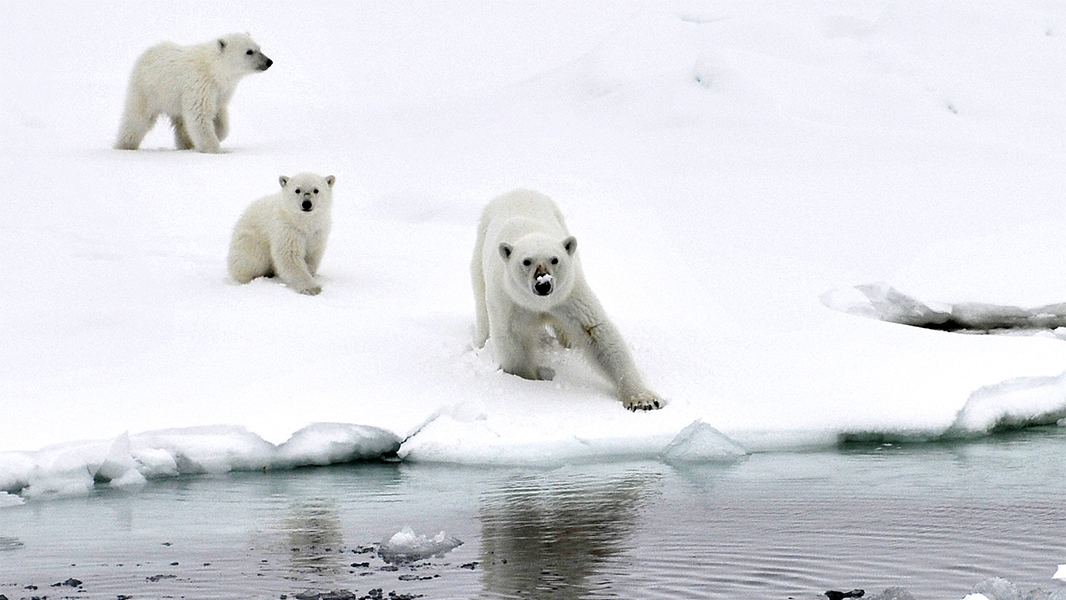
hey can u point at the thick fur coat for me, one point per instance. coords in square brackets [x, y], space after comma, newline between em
[527, 278]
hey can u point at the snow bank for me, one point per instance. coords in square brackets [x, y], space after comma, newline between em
[723, 164]
[128, 461]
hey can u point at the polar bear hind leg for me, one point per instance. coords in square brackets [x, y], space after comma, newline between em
[249, 258]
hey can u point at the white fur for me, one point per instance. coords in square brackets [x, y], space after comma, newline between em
[190, 84]
[277, 236]
[523, 242]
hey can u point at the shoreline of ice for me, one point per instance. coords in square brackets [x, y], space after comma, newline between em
[128, 461]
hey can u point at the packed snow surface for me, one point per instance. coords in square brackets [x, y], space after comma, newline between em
[734, 171]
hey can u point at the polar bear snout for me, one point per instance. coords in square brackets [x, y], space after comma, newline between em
[264, 62]
[308, 204]
[542, 282]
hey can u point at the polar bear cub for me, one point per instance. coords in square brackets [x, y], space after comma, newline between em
[285, 234]
[190, 84]
[527, 278]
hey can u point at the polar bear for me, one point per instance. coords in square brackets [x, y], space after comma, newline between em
[285, 234]
[190, 84]
[528, 281]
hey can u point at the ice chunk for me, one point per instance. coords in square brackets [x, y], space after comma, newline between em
[7, 499]
[118, 463]
[331, 443]
[996, 588]
[407, 546]
[206, 449]
[699, 442]
[892, 593]
[1061, 573]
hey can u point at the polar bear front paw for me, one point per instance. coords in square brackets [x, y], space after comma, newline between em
[545, 373]
[311, 291]
[643, 401]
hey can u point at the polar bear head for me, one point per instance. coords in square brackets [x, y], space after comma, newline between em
[241, 54]
[307, 192]
[540, 270]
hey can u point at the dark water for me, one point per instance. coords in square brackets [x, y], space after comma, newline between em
[935, 519]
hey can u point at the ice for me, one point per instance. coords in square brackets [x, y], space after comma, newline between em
[757, 164]
[128, 461]
[699, 442]
[330, 443]
[1060, 573]
[407, 546]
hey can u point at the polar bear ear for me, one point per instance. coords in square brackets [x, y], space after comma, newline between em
[330, 180]
[506, 250]
[570, 244]
[283, 180]
[221, 45]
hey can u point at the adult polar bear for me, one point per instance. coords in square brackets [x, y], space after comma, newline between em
[190, 84]
[527, 277]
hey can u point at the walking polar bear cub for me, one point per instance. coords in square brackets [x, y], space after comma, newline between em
[527, 277]
[285, 234]
[190, 84]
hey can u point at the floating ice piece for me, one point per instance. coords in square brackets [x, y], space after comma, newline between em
[7, 499]
[1061, 573]
[699, 442]
[407, 546]
[995, 588]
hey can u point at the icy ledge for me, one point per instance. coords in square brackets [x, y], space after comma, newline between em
[882, 301]
[127, 461]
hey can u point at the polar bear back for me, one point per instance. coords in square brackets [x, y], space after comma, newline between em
[517, 214]
[167, 71]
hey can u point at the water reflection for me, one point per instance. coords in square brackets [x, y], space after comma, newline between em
[315, 537]
[551, 536]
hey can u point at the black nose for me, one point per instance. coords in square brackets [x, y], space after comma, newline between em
[306, 205]
[266, 65]
[542, 288]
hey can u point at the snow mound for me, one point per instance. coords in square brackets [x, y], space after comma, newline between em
[331, 443]
[406, 546]
[1013, 404]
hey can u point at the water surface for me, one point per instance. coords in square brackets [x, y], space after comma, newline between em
[934, 518]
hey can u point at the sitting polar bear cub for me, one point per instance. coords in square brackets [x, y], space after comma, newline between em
[285, 234]
[527, 277]
[190, 84]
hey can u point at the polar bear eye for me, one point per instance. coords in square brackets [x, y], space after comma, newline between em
[250, 52]
[316, 190]
[297, 191]
[527, 262]
[555, 261]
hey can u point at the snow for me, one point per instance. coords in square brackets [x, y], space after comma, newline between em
[748, 181]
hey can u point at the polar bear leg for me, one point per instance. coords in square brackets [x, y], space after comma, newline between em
[586, 322]
[135, 125]
[481, 310]
[249, 257]
[181, 135]
[288, 255]
[515, 337]
[222, 124]
[199, 118]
